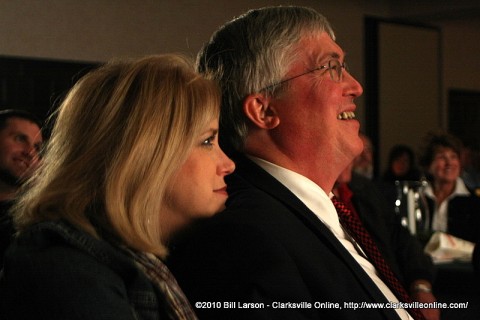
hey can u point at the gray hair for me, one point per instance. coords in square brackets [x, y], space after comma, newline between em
[249, 54]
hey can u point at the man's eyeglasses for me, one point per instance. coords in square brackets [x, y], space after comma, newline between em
[334, 67]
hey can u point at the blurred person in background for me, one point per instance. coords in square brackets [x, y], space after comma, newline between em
[456, 210]
[20, 143]
[470, 160]
[363, 164]
[401, 166]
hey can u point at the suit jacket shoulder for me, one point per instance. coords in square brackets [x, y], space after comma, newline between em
[268, 248]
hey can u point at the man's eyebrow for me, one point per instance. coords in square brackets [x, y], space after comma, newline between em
[335, 55]
[331, 55]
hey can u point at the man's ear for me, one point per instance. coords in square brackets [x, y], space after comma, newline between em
[258, 109]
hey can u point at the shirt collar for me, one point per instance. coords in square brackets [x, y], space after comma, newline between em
[306, 190]
[460, 190]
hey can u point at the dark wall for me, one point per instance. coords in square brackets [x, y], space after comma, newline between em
[37, 85]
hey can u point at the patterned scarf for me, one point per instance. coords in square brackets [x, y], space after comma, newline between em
[178, 306]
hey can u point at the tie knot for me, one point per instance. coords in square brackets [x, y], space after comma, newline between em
[341, 208]
[335, 201]
[344, 193]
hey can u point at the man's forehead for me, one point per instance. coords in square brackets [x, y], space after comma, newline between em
[319, 47]
[14, 121]
[25, 126]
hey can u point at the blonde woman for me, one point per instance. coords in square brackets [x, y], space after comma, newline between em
[132, 159]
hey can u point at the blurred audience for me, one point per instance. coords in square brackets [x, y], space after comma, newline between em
[401, 166]
[20, 142]
[470, 160]
[363, 163]
[456, 210]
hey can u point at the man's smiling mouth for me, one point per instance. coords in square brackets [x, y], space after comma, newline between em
[346, 115]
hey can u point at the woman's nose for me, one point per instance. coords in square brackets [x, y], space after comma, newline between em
[227, 165]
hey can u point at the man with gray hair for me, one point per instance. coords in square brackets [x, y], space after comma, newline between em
[279, 250]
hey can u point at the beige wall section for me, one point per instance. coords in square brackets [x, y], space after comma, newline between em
[461, 65]
[409, 92]
[97, 30]
[461, 43]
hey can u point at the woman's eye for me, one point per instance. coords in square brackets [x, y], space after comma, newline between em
[209, 141]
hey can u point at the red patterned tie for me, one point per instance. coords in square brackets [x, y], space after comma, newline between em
[352, 223]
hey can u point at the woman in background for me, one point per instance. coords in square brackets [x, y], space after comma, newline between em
[132, 159]
[401, 165]
[455, 209]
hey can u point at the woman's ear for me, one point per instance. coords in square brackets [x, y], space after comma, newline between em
[260, 111]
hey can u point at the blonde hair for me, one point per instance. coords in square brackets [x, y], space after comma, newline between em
[121, 134]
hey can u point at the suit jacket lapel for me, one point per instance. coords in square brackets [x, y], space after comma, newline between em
[252, 174]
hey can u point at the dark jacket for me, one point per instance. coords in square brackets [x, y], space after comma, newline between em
[6, 228]
[403, 251]
[268, 248]
[55, 271]
[463, 217]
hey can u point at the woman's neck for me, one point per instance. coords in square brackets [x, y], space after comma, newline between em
[443, 190]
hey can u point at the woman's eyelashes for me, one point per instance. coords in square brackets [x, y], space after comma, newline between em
[210, 141]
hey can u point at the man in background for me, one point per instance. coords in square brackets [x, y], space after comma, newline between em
[20, 142]
[363, 164]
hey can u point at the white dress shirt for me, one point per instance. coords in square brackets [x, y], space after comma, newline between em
[321, 205]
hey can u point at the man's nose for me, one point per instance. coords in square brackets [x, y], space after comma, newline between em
[30, 152]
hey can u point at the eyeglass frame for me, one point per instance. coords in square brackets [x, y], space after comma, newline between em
[343, 65]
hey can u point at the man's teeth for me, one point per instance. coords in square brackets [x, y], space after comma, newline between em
[346, 115]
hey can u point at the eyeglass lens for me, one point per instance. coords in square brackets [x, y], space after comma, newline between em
[335, 69]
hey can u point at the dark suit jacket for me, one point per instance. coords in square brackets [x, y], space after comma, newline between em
[268, 247]
[463, 217]
[476, 261]
[7, 229]
[403, 251]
